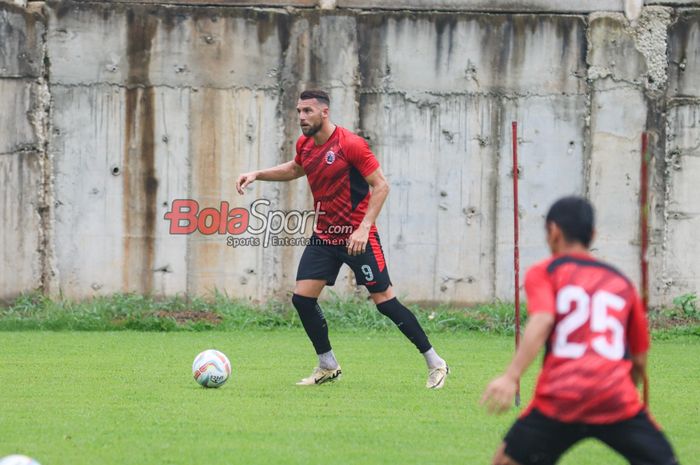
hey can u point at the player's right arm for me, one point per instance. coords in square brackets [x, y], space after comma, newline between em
[541, 317]
[499, 393]
[639, 368]
[284, 172]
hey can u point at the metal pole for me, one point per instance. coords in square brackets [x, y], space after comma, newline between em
[516, 247]
[644, 237]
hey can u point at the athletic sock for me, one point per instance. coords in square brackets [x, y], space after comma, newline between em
[314, 323]
[407, 323]
[433, 359]
[327, 361]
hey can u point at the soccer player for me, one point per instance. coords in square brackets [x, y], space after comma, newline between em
[591, 321]
[349, 190]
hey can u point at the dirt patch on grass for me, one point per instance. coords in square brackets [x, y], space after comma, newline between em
[662, 321]
[188, 316]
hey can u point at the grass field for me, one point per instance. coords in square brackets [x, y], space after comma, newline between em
[128, 398]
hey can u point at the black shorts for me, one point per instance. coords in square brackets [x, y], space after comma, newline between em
[323, 261]
[539, 440]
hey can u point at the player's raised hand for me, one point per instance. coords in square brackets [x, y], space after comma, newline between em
[245, 179]
[498, 395]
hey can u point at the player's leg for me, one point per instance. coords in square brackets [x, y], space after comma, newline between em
[403, 318]
[408, 324]
[501, 458]
[639, 440]
[535, 439]
[318, 267]
[371, 271]
[305, 300]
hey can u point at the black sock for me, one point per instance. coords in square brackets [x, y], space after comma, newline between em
[312, 318]
[407, 323]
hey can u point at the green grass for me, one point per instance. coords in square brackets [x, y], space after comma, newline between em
[217, 312]
[137, 312]
[128, 398]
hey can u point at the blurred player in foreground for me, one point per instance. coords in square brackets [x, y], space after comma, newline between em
[593, 325]
[349, 187]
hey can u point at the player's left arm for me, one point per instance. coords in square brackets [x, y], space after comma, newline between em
[379, 187]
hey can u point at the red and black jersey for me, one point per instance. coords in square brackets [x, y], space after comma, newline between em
[336, 172]
[600, 321]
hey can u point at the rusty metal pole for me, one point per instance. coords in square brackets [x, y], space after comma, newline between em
[644, 238]
[516, 247]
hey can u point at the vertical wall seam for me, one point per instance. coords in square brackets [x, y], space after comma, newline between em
[587, 151]
[660, 189]
[43, 127]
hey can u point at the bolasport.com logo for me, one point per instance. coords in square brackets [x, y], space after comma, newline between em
[257, 225]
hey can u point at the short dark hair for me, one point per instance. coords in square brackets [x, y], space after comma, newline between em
[319, 95]
[575, 217]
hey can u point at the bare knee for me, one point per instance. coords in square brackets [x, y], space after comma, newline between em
[309, 287]
[501, 458]
[381, 297]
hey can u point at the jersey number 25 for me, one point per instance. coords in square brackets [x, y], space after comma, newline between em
[594, 310]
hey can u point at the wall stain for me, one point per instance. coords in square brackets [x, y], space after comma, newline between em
[264, 23]
[210, 132]
[372, 38]
[62, 8]
[23, 42]
[444, 23]
[139, 176]
[679, 42]
[284, 24]
[497, 110]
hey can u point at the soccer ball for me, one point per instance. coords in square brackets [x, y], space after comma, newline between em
[211, 369]
[18, 460]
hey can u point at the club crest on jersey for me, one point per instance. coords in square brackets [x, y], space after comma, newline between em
[330, 157]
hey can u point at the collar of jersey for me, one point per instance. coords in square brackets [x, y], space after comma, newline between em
[326, 142]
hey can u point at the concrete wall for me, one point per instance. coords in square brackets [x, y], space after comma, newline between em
[22, 155]
[112, 111]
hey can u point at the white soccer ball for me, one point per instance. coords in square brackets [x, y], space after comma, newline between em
[211, 369]
[18, 460]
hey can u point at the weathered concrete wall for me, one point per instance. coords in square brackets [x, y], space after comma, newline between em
[152, 103]
[22, 154]
[438, 95]
[677, 267]
[627, 77]
[512, 6]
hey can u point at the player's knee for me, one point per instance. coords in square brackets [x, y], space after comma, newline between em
[383, 296]
[309, 288]
[500, 458]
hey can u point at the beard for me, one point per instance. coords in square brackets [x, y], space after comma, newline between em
[311, 129]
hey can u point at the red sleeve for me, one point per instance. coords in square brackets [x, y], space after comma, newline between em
[297, 157]
[539, 291]
[637, 329]
[360, 156]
